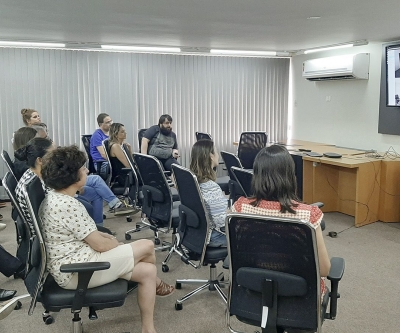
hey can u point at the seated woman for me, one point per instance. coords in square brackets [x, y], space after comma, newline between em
[30, 117]
[274, 186]
[92, 195]
[31, 154]
[20, 139]
[204, 158]
[72, 240]
[117, 136]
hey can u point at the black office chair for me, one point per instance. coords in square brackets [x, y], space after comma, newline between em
[138, 183]
[244, 178]
[127, 191]
[250, 144]
[274, 274]
[201, 135]
[161, 211]
[230, 160]
[9, 163]
[86, 144]
[193, 230]
[22, 229]
[42, 287]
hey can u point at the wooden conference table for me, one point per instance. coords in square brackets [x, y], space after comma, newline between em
[364, 187]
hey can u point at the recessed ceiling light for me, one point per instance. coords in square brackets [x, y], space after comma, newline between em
[313, 17]
[240, 52]
[328, 48]
[30, 44]
[141, 48]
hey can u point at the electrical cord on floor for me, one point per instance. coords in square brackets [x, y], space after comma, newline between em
[334, 234]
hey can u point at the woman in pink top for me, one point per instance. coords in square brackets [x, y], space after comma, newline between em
[274, 185]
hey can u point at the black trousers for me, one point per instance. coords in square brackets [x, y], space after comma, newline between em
[8, 263]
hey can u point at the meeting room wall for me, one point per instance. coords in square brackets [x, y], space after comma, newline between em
[69, 88]
[342, 112]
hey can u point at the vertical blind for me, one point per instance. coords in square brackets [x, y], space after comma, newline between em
[223, 96]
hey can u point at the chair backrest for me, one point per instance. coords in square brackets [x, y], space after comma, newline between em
[281, 247]
[10, 184]
[194, 223]
[140, 137]
[135, 171]
[7, 160]
[105, 144]
[35, 278]
[244, 178]
[249, 145]
[201, 135]
[231, 160]
[157, 198]
[86, 143]
[22, 229]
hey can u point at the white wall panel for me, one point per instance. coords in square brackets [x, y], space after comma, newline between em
[219, 95]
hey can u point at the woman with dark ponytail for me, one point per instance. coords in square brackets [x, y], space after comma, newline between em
[31, 154]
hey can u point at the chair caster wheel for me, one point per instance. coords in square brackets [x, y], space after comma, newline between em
[18, 305]
[157, 241]
[165, 268]
[48, 320]
[128, 236]
[178, 306]
[129, 219]
[178, 285]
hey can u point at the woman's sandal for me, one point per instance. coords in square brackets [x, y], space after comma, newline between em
[164, 289]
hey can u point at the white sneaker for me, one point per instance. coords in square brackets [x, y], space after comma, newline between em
[121, 209]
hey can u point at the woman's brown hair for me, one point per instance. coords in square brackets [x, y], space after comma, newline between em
[200, 160]
[114, 129]
[274, 178]
[26, 115]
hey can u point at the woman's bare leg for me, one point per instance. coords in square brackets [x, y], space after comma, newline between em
[145, 275]
[143, 251]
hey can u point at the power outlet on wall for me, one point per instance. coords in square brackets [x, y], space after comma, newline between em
[327, 98]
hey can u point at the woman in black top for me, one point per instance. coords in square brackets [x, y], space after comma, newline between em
[117, 156]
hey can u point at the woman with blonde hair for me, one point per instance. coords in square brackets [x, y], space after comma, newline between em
[117, 137]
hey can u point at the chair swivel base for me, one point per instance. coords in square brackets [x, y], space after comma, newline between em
[139, 227]
[174, 248]
[214, 283]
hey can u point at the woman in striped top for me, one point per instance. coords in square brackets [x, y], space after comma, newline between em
[204, 158]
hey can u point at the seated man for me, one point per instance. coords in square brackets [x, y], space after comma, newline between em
[96, 149]
[160, 141]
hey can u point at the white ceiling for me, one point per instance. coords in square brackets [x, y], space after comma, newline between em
[227, 24]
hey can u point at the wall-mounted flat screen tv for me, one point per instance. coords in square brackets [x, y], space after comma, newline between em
[393, 75]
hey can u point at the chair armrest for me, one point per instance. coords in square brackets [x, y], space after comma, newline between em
[85, 267]
[337, 269]
[335, 275]
[85, 271]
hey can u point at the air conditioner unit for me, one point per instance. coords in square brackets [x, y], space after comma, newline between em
[345, 67]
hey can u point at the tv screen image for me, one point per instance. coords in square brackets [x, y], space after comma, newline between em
[393, 75]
